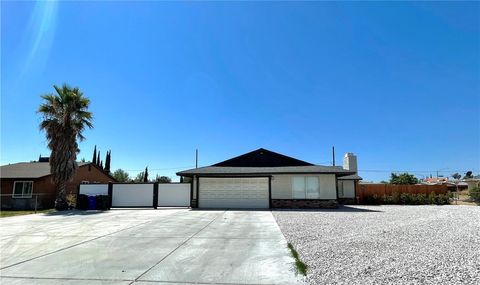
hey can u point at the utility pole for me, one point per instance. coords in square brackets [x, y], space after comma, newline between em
[196, 158]
[333, 155]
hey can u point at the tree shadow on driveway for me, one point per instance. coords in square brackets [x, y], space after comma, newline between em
[75, 213]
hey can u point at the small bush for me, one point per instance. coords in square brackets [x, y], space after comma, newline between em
[422, 199]
[372, 200]
[396, 198]
[432, 199]
[475, 194]
[442, 199]
[389, 200]
[407, 199]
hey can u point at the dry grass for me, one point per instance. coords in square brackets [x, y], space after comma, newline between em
[4, 214]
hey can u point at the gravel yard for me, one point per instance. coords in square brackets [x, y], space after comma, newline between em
[387, 244]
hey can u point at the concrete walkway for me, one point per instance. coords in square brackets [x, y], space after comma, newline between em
[168, 246]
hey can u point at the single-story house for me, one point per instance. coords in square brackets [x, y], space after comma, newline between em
[265, 179]
[26, 183]
[473, 182]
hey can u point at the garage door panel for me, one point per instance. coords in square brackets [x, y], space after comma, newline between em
[234, 193]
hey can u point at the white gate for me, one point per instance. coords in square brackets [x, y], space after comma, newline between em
[174, 195]
[141, 195]
[93, 189]
[132, 195]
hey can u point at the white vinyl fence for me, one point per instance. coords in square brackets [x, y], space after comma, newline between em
[93, 189]
[174, 195]
[141, 195]
[132, 195]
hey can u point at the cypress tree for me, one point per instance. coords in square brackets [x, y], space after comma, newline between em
[94, 159]
[145, 175]
[107, 161]
[98, 158]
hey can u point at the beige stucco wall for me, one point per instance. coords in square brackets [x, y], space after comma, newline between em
[346, 189]
[472, 184]
[282, 186]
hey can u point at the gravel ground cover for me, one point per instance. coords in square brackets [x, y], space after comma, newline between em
[386, 244]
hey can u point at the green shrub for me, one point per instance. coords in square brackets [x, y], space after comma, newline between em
[442, 199]
[432, 198]
[422, 199]
[371, 200]
[396, 197]
[408, 199]
[389, 200]
[475, 194]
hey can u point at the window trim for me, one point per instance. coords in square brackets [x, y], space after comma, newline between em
[22, 196]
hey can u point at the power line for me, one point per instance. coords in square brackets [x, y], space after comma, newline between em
[413, 171]
[154, 169]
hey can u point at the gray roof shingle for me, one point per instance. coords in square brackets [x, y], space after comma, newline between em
[350, 177]
[232, 171]
[27, 169]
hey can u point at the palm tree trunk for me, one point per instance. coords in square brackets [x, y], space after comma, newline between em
[61, 201]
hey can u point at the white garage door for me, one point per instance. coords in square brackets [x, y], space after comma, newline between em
[233, 193]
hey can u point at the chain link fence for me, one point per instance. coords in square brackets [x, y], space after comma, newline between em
[35, 201]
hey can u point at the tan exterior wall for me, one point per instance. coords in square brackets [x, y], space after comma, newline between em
[346, 189]
[282, 186]
[472, 184]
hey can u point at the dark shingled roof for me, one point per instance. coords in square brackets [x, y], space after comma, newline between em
[262, 158]
[264, 162]
[28, 169]
[350, 177]
[237, 171]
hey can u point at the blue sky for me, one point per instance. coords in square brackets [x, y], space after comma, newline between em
[395, 83]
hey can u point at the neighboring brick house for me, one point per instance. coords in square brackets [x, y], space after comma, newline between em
[26, 183]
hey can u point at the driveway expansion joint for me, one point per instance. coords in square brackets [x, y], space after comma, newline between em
[77, 244]
[180, 245]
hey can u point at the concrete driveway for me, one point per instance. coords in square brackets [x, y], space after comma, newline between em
[169, 246]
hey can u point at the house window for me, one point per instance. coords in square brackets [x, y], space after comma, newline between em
[305, 187]
[22, 189]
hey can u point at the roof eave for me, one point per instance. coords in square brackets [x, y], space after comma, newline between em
[191, 174]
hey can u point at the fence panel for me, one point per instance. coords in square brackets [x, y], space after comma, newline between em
[380, 190]
[35, 201]
[174, 195]
[93, 189]
[132, 195]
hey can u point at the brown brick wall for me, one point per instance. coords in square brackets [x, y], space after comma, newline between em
[41, 186]
[87, 173]
[304, 204]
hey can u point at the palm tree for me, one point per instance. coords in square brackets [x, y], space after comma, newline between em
[65, 116]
